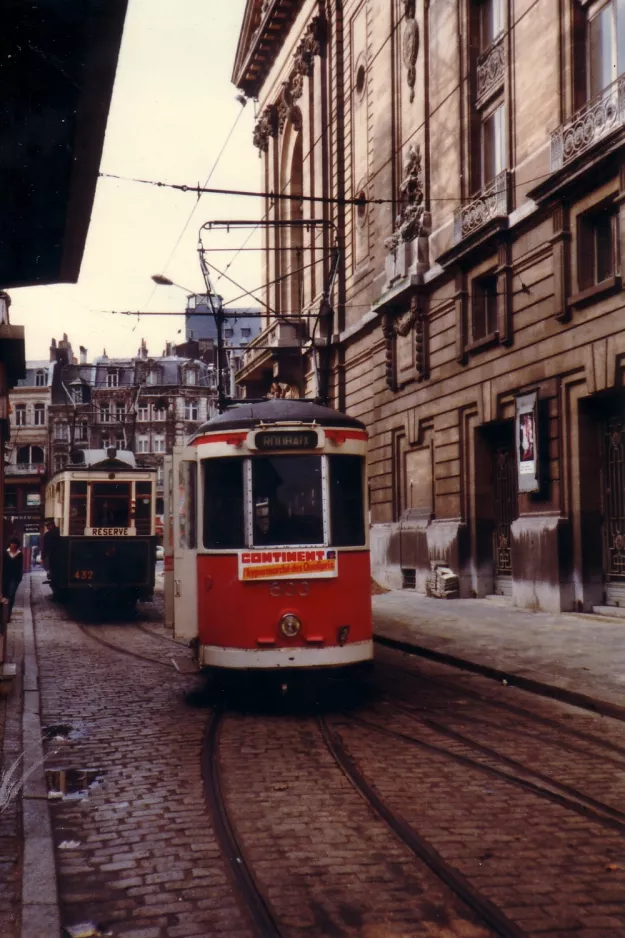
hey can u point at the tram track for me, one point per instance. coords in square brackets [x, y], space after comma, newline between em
[126, 651]
[559, 793]
[261, 914]
[517, 711]
[489, 913]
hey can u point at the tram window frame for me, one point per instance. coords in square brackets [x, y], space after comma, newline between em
[96, 497]
[224, 511]
[187, 505]
[143, 507]
[295, 466]
[78, 498]
[346, 531]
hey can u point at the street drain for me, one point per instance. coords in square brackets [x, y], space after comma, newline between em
[72, 784]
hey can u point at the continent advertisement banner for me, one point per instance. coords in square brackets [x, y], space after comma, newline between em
[527, 442]
[283, 563]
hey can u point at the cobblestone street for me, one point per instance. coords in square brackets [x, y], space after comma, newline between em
[481, 810]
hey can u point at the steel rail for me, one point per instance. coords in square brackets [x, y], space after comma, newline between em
[263, 917]
[453, 879]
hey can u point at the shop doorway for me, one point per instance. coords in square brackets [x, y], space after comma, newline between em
[506, 506]
[612, 451]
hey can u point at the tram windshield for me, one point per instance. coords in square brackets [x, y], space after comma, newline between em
[282, 501]
[110, 504]
[287, 500]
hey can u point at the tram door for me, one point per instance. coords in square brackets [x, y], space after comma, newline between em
[168, 540]
[185, 491]
[506, 509]
[613, 508]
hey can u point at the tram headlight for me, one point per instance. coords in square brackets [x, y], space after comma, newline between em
[290, 625]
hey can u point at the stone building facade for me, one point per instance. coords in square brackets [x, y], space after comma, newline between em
[469, 161]
[27, 454]
[144, 404]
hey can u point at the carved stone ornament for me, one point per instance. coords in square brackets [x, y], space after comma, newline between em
[303, 66]
[401, 326]
[410, 46]
[410, 218]
[287, 110]
[266, 127]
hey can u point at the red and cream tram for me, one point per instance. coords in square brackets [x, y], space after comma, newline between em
[269, 540]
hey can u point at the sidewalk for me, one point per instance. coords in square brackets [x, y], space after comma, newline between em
[580, 653]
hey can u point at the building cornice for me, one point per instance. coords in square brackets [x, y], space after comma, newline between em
[265, 26]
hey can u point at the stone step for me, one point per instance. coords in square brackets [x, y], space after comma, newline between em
[616, 612]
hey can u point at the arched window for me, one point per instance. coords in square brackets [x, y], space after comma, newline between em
[29, 455]
[40, 378]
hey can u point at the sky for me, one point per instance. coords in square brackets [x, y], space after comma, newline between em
[173, 107]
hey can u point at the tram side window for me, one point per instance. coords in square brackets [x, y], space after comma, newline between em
[110, 504]
[347, 516]
[77, 507]
[223, 503]
[143, 507]
[287, 500]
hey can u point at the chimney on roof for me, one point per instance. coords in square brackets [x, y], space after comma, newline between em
[53, 350]
[143, 350]
[83, 355]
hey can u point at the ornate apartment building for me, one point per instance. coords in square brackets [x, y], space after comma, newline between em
[457, 280]
[144, 404]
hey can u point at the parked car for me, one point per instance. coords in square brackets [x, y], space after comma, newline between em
[160, 552]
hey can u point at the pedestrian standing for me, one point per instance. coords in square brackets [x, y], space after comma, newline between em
[12, 571]
[49, 543]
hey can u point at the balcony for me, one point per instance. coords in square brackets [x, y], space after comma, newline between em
[594, 122]
[492, 202]
[25, 469]
[263, 357]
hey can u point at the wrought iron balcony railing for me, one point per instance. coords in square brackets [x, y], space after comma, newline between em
[492, 202]
[593, 122]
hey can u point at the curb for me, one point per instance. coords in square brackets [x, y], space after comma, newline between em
[40, 909]
[553, 691]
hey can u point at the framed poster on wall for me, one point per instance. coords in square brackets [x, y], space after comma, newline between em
[527, 442]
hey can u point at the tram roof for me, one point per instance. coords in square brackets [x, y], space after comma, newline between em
[278, 411]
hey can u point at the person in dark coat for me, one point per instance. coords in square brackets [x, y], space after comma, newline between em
[12, 571]
[49, 542]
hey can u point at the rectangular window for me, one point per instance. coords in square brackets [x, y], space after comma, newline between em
[120, 412]
[10, 499]
[110, 504]
[143, 507]
[597, 246]
[59, 462]
[60, 432]
[223, 503]
[159, 413]
[40, 415]
[20, 415]
[347, 510]
[494, 158]
[491, 22]
[40, 379]
[77, 507]
[143, 413]
[159, 444]
[112, 379]
[105, 413]
[187, 505]
[484, 307]
[143, 444]
[287, 501]
[191, 410]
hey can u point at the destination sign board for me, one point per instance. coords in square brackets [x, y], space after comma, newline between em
[109, 532]
[283, 439]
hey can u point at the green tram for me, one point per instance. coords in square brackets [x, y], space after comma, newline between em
[104, 509]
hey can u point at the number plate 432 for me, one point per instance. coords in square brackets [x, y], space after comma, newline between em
[289, 588]
[83, 575]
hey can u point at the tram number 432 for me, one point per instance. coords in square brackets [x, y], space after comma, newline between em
[289, 588]
[83, 575]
